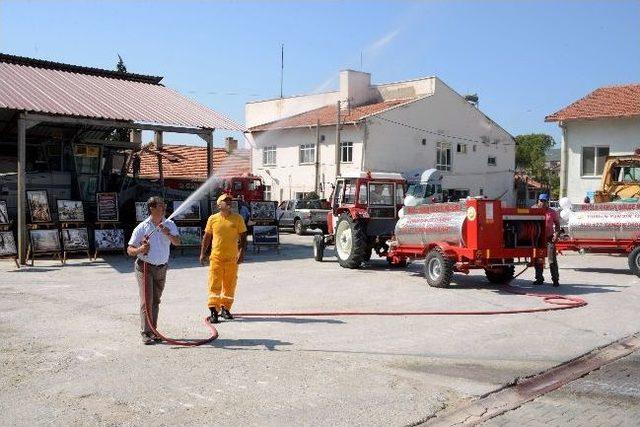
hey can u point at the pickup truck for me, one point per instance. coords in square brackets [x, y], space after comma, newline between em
[302, 214]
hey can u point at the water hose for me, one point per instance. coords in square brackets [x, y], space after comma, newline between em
[147, 311]
[556, 302]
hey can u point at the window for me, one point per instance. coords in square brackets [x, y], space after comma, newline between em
[269, 156]
[461, 148]
[349, 191]
[399, 194]
[300, 195]
[237, 185]
[381, 194]
[491, 160]
[346, 152]
[267, 192]
[443, 156]
[307, 154]
[337, 193]
[593, 159]
[362, 194]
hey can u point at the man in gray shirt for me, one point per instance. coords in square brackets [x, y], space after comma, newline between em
[152, 250]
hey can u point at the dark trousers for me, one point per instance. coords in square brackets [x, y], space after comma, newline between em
[553, 265]
[156, 276]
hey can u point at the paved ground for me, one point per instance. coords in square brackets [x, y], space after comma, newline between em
[71, 351]
[609, 396]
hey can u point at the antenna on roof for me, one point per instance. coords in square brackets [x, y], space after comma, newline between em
[281, 67]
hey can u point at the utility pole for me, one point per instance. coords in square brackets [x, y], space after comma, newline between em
[338, 140]
[281, 68]
[317, 187]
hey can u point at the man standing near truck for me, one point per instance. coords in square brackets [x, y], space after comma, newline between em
[552, 224]
[226, 234]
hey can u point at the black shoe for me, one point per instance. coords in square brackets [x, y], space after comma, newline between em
[214, 315]
[225, 313]
[156, 338]
[556, 284]
[538, 282]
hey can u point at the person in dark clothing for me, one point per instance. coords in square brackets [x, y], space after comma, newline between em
[552, 224]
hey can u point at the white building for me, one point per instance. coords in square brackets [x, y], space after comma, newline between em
[605, 122]
[395, 127]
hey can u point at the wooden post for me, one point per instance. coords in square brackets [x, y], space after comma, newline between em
[157, 141]
[208, 138]
[317, 177]
[22, 186]
[338, 141]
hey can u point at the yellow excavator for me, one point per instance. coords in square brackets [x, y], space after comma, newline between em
[620, 179]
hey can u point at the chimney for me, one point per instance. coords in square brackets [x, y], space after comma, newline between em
[354, 88]
[230, 144]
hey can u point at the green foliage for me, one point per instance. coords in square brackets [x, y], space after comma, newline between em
[530, 153]
[311, 196]
[120, 67]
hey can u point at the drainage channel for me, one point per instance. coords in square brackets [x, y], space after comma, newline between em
[527, 389]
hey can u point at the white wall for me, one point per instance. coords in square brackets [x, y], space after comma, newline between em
[622, 136]
[396, 148]
[260, 112]
[289, 176]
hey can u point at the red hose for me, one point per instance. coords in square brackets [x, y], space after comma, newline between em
[147, 311]
[558, 302]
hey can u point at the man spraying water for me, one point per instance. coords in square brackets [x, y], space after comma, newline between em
[226, 235]
[150, 244]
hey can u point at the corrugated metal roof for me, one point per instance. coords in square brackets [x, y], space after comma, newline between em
[60, 92]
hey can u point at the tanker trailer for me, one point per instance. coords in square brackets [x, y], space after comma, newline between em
[474, 233]
[609, 228]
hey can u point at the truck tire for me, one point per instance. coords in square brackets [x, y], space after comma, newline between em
[367, 254]
[351, 242]
[438, 269]
[500, 275]
[318, 247]
[299, 227]
[634, 261]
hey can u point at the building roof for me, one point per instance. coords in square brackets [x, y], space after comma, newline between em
[45, 87]
[605, 102]
[327, 115]
[190, 162]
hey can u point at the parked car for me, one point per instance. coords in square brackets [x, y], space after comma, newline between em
[303, 214]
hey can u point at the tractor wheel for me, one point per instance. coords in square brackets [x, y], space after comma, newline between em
[438, 269]
[351, 242]
[500, 275]
[318, 247]
[367, 254]
[400, 264]
[299, 227]
[634, 261]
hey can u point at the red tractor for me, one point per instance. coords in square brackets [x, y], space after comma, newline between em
[364, 212]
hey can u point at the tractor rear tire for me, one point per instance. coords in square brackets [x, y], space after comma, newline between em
[318, 247]
[500, 275]
[351, 242]
[299, 227]
[438, 269]
[634, 261]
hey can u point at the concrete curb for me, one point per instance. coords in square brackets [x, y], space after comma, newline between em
[527, 389]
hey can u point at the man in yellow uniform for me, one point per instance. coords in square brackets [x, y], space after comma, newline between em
[226, 234]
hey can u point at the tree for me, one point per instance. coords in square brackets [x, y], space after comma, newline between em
[120, 67]
[531, 158]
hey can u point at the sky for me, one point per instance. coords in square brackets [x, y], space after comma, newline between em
[525, 59]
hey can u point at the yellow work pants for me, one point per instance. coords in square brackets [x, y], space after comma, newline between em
[223, 277]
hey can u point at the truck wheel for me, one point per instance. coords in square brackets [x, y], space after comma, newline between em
[318, 247]
[500, 275]
[438, 269]
[299, 227]
[351, 242]
[634, 261]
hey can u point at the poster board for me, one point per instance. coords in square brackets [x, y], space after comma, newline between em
[44, 241]
[75, 239]
[38, 202]
[4, 213]
[266, 235]
[8, 246]
[189, 213]
[107, 207]
[70, 210]
[109, 239]
[142, 211]
[190, 236]
[263, 211]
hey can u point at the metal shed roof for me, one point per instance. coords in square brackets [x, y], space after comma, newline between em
[66, 90]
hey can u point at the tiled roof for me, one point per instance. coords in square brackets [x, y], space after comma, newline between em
[62, 89]
[611, 101]
[328, 116]
[190, 162]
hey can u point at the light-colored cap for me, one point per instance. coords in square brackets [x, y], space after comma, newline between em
[223, 197]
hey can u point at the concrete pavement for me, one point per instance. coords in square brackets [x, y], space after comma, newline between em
[72, 352]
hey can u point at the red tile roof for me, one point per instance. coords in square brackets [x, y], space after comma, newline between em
[62, 89]
[190, 162]
[327, 116]
[606, 102]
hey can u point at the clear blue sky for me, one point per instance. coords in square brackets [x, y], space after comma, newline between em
[525, 59]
